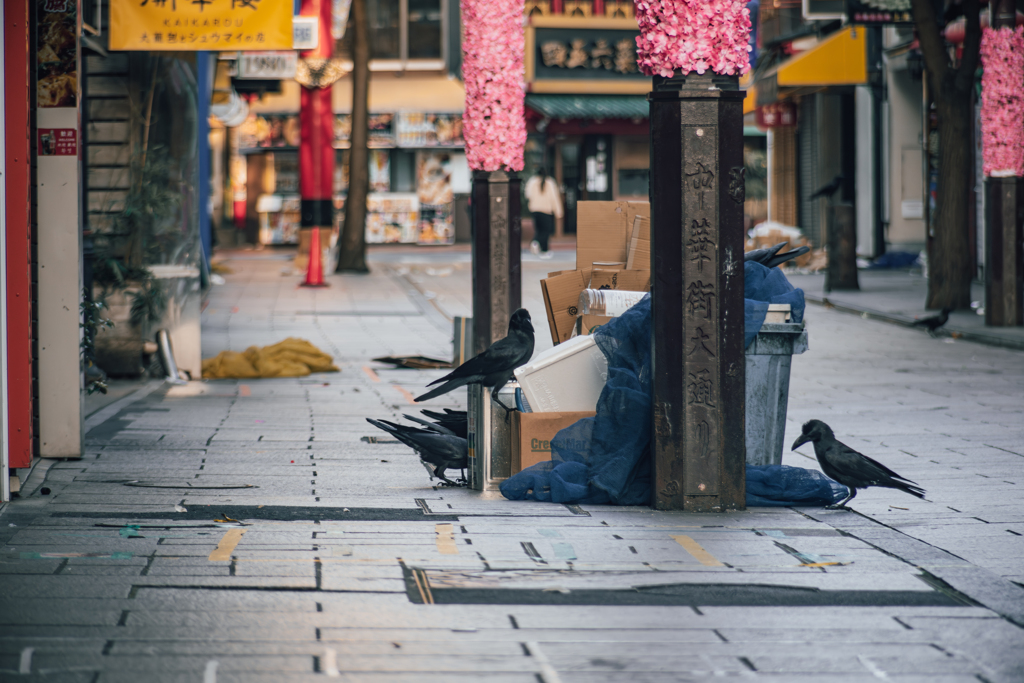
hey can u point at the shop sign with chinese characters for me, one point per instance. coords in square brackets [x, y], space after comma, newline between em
[58, 142]
[879, 11]
[585, 54]
[777, 115]
[186, 25]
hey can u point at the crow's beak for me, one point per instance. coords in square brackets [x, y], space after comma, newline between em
[800, 442]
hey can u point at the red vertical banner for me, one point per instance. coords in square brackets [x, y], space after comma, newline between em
[316, 121]
[18, 231]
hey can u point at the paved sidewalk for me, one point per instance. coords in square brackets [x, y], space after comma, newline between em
[351, 565]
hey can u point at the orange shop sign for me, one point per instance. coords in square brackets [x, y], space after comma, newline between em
[184, 25]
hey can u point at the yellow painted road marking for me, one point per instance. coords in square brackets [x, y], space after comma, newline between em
[703, 556]
[825, 564]
[244, 390]
[371, 374]
[222, 553]
[405, 392]
[445, 539]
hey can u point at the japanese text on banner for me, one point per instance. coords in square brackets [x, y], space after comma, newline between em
[186, 25]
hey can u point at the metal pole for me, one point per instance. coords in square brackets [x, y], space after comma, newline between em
[698, 360]
[497, 293]
[1004, 234]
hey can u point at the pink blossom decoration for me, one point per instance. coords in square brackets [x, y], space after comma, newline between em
[493, 46]
[693, 35]
[1002, 102]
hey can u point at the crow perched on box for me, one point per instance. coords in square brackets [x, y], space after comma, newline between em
[850, 468]
[493, 368]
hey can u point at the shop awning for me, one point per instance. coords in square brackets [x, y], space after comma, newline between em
[840, 59]
[589, 106]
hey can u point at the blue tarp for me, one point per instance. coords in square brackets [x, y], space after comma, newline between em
[606, 459]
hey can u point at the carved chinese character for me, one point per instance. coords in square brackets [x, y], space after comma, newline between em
[702, 177]
[703, 439]
[601, 56]
[700, 298]
[671, 489]
[554, 53]
[700, 389]
[700, 243]
[577, 55]
[698, 340]
[625, 56]
[737, 185]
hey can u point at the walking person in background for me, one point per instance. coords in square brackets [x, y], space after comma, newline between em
[545, 203]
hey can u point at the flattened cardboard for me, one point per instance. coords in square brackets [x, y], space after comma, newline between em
[561, 299]
[639, 256]
[532, 434]
[603, 230]
[628, 280]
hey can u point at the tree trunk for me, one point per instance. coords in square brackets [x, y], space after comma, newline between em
[949, 260]
[949, 264]
[352, 256]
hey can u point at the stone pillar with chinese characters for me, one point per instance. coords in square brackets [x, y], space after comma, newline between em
[697, 194]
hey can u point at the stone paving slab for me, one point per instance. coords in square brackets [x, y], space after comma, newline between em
[278, 601]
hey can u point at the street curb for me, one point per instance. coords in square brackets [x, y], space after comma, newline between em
[946, 331]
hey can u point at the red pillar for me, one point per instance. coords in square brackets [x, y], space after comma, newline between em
[316, 150]
[18, 232]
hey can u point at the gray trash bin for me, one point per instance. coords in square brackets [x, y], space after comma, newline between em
[768, 361]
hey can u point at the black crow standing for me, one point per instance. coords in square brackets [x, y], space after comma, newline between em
[850, 468]
[830, 189]
[493, 368]
[455, 420]
[437, 451]
[933, 322]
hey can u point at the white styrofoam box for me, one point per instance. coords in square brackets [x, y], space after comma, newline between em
[567, 377]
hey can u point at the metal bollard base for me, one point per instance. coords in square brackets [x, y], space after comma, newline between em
[490, 441]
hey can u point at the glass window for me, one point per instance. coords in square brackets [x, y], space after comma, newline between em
[385, 33]
[424, 29]
[633, 182]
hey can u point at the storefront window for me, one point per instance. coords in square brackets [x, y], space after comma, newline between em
[424, 29]
[385, 34]
[633, 182]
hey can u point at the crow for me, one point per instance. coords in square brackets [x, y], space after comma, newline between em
[493, 368]
[437, 451]
[455, 420]
[933, 322]
[830, 189]
[770, 257]
[850, 468]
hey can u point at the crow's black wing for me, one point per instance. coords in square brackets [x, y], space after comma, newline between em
[500, 355]
[431, 426]
[763, 255]
[779, 259]
[856, 469]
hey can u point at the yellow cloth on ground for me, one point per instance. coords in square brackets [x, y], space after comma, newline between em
[290, 358]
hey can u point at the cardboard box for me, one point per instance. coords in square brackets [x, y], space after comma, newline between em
[532, 434]
[561, 298]
[628, 280]
[586, 324]
[639, 254]
[603, 231]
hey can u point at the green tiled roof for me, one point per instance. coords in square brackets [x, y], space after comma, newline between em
[589, 106]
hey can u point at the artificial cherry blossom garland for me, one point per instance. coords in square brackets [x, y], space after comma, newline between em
[693, 35]
[493, 123]
[1002, 102]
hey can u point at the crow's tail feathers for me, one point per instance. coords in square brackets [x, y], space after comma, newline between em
[443, 389]
[910, 488]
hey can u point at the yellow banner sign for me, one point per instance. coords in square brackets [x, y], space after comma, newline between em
[184, 25]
